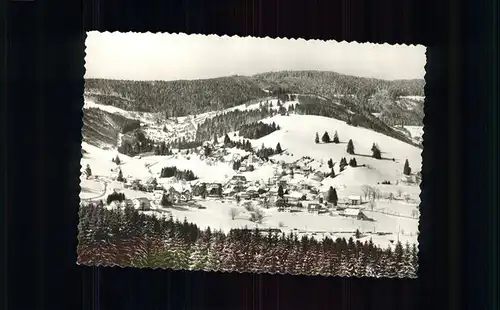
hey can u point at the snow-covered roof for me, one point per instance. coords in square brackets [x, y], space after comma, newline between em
[252, 188]
[352, 197]
[351, 211]
[295, 195]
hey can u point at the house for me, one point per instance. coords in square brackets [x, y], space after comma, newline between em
[408, 178]
[313, 207]
[354, 200]
[127, 203]
[238, 178]
[178, 193]
[158, 195]
[142, 204]
[353, 213]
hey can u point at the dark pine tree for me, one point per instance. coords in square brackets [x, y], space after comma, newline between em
[227, 140]
[117, 160]
[316, 139]
[332, 174]
[332, 196]
[325, 138]
[120, 176]
[280, 191]
[330, 163]
[336, 137]
[350, 147]
[353, 163]
[88, 171]
[278, 148]
[407, 169]
[376, 153]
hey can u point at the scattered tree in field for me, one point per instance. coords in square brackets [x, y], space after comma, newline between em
[407, 169]
[120, 176]
[278, 149]
[343, 164]
[233, 212]
[316, 139]
[390, 197]
[88, 171]
[227, 140]
[257, 216]
[358, 234]
[350, 147]
[367, 190]
[376, 151]
[336, 138]
[280, 191]
[330, 163]
[325, 138]
[332, 173]
[373, 204]
[332, 196]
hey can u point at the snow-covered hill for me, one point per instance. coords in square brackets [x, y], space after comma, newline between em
[297, 138]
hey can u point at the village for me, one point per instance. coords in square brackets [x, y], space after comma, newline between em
[290, 186]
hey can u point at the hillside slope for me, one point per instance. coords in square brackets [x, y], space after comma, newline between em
[297, 138]
[101, 128]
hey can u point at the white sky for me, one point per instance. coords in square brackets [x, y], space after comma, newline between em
[149, 56]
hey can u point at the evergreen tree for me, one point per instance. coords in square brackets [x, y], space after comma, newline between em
[325, 138]
[120, 176]
[227, 140]
[330, 163]
[280, 191]
[353, 163]
[336, 138]
[332, 196]
[407, 169]
[88, 171]
[332, 173]
[316, 139]
[117, 160]
[350, 147]
[278, 149]
[376, 153]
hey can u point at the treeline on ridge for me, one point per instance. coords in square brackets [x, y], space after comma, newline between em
[175, 98]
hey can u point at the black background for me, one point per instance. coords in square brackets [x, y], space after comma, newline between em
[41, 123]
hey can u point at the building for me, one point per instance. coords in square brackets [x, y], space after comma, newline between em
[352, 213]
[142, 204]
[313, 207]
[354, 200]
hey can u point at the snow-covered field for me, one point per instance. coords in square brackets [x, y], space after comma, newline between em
[217, 216]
